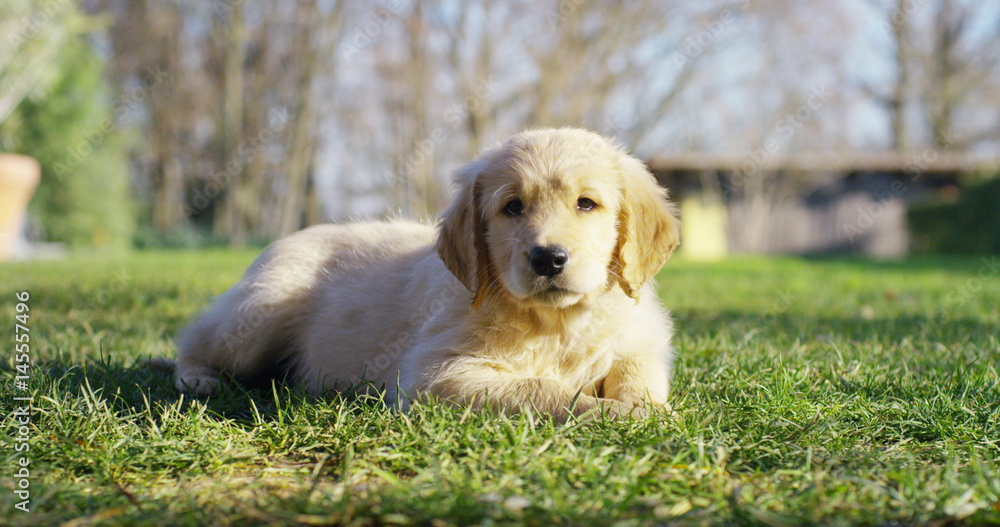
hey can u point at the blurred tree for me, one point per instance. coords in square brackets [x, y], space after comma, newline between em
[267, 103]
[233, 129]
[54, 106]
[150, 35]
[895, 97]
[33, 38]
[441, 80]
[960, 61]
[945, 58]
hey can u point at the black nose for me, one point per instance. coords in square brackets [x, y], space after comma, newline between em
[548, 261]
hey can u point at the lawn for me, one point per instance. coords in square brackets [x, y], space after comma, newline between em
[806, 392]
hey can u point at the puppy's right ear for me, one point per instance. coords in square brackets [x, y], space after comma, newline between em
[648, 228]
[461, 241]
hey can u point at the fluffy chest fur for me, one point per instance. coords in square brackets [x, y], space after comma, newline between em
[574, 346]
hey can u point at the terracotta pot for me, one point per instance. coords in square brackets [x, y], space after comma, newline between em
[19, 176]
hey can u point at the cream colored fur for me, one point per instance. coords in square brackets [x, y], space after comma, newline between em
[457, 313]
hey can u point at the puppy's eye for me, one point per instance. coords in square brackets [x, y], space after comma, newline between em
[514, 208]
[585, 204]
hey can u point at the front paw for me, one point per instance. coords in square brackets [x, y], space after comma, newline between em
[621, 410]
[197, 384]
[598, 408]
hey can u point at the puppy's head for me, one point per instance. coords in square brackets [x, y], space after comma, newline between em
[553, 217]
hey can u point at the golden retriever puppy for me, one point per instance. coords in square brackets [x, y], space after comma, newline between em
[534, 292]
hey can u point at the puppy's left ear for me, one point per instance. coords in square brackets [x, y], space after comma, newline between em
[648, 229]
[461, 241]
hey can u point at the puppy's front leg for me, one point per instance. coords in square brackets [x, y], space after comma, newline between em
[638, 379]
[477, 383]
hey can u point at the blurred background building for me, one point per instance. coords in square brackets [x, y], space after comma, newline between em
[862, 126]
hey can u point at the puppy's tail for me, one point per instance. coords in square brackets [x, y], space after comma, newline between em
[161, 364]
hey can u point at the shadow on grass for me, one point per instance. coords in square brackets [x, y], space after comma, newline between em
[132, 388]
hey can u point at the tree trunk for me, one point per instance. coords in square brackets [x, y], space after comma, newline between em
[229, 214]
[302, 143]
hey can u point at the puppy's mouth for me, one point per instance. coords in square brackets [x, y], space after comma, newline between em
[555, 295]
[530, 289]
[553, 291]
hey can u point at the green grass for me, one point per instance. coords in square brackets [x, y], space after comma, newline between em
[806, 392]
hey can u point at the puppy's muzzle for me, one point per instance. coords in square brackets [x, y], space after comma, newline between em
[548, 261]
